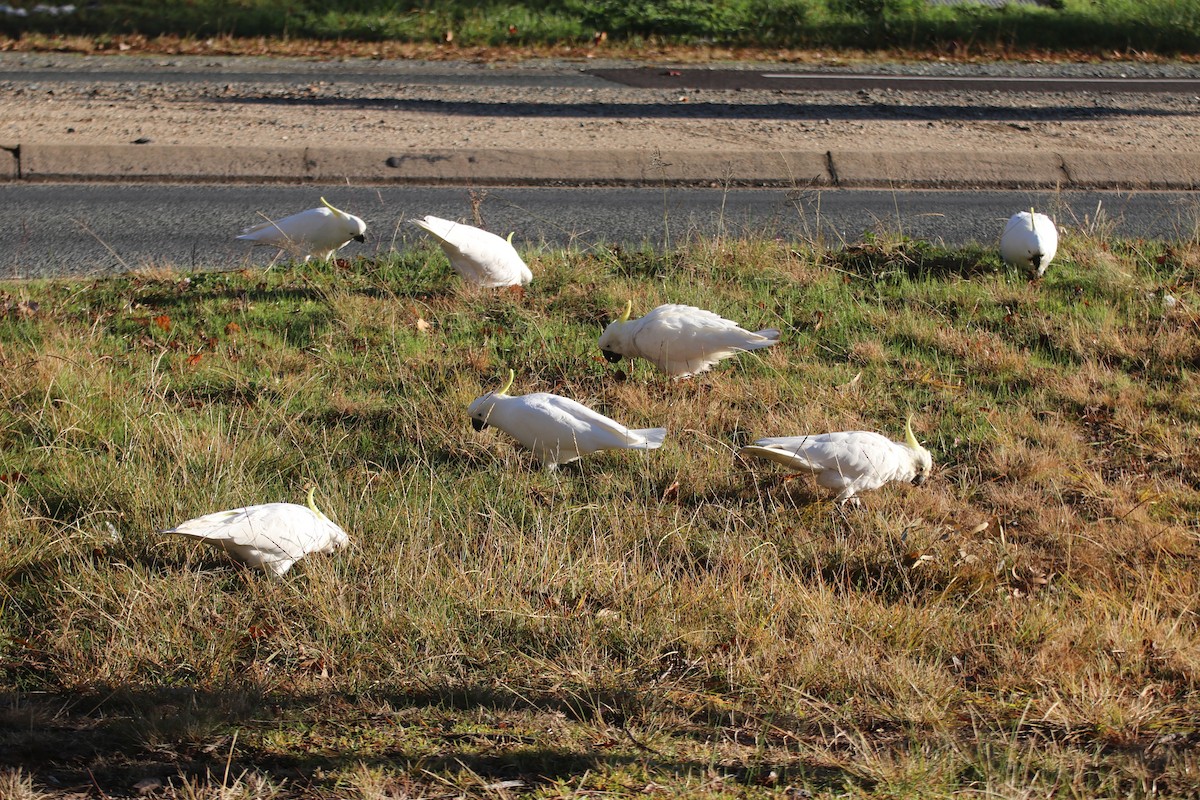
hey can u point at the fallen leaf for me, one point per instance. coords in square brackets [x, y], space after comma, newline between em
[422, 326]
[163, 321]
[194, 359]
[233, 329]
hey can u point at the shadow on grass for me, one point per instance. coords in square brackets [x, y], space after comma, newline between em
[108, 738]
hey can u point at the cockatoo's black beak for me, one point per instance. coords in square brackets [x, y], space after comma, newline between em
[917, 481]
[611, 357]
[478, 424]
[360, 238]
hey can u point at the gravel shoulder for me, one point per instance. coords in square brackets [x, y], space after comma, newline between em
[423, 105]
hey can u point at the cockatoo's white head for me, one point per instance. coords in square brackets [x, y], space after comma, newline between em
[481, 408]
[340, 539]
[613, 332]
[921, 457]
[355, 227]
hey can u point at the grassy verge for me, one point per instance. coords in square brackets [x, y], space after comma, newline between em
[1169, 27]
[672, 624]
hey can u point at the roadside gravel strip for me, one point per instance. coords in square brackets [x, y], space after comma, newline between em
[231, 120]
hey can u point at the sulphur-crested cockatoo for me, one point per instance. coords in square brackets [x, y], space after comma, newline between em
[1029, 240]
[850, 461]
[316, 233]
[556, 429]
[680, 340]
[272, 536]
[479, 257]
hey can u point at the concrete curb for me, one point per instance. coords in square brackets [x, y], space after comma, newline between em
[1038, 169]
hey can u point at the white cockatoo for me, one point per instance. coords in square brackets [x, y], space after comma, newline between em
[556, 429]
[680, 340]
[316, 233]
[1029, 240]
[479, 257]
[272, 536]
[849, 461]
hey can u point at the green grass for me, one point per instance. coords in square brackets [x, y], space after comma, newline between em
[674, 623]
[1168, 27]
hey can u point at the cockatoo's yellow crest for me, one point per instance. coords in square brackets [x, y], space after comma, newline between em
[337, 211]
[511, 377]
[909, 436]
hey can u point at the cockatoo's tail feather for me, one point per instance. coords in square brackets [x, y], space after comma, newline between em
[652, 438]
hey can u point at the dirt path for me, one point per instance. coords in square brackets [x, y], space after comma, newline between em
[410, 112]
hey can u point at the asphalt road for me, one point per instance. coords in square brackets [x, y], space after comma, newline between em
[572, 77]
[79, 229]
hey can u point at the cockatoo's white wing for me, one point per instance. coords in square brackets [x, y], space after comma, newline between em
[272, 536]
[591, 429]
[556, 429]
[1029, 240]
[478, 256]
[683, 340]
[316, 232]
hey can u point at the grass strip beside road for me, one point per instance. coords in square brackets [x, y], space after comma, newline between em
[1122, 27]
[672, 623]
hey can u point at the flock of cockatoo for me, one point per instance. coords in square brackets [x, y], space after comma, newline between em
[680, 340]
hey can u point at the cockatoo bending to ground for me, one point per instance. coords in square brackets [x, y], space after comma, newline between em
[556, 429]
[1029, 240]
[680, 340]
[316, 233]
[850, 461]
[271, 537]
[479, 257]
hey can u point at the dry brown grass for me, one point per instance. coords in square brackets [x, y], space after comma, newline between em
[675, 622]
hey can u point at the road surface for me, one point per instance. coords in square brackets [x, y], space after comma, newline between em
[100, 228]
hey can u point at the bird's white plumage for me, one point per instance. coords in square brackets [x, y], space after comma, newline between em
[480, 257]
[681, 340]
[1029, 240]
[848, 462]
[315, 233]
[271, 536]
[557, 429]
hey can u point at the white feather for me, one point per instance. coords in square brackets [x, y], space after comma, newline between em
[480, 257]
[315, 233]
[848, 462]
[556, 429]
[272, 536]
[1029, 240]
[681, 340]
